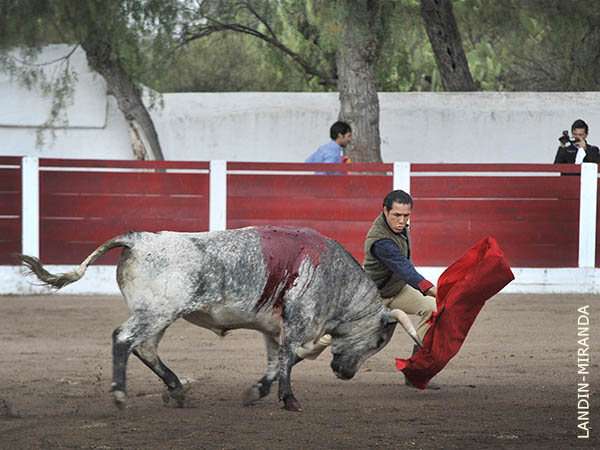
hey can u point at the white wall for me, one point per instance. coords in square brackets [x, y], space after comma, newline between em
[101, 280]
[482, 127]
[417, 126]
[96, 127]
[249, 126]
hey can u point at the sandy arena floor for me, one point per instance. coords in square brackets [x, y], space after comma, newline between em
[512, 385]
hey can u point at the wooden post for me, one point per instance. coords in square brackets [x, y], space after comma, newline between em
[587, 214]
[218, 196]
[30, 207]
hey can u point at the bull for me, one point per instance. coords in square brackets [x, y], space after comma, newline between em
[293, 285]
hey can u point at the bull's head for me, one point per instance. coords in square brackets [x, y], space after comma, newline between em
[357, 341]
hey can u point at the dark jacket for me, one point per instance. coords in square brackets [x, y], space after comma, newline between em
[388, 283]
[566, 155]
[387, 260]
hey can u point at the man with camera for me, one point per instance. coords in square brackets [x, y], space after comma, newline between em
[576, 150]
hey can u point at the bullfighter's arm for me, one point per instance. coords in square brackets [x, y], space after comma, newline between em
[387, 251]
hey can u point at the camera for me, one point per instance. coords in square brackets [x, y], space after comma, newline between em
[566, 140]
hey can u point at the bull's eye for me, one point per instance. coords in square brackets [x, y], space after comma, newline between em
[380, 342]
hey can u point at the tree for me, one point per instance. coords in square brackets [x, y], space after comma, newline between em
[229, 62]
[447, 45]
[557, 44]
[348, 33]
[365, 26]
[112, 32]
[531, 45]
[96, 24]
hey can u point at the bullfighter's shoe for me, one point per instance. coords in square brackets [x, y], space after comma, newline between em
[431, 386]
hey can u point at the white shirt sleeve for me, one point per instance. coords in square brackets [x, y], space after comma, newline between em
[580, 155]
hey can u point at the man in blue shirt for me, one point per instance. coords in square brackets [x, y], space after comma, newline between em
[332, 152]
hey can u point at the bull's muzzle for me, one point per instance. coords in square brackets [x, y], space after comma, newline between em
[342, 372]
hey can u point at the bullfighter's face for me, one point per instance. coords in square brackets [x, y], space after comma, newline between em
[398, 216]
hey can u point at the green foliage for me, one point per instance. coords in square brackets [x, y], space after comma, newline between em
[510, 44]
[228, 62]
[218, 60]
[485, 67]
[407, 62]
[538, 45]
[560, 49]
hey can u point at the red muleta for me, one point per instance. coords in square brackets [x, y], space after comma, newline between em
[463, 288]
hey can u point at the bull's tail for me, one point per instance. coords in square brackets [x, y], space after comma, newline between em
[61, 280]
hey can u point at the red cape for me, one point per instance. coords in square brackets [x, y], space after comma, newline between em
[462, 290]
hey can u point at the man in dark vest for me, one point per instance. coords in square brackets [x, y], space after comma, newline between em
[387, 262]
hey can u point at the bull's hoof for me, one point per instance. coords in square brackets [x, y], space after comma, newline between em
[292, 406]
[120, 399]
[177, 394]
[252, 395]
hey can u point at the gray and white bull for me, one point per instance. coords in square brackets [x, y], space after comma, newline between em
[293, 285]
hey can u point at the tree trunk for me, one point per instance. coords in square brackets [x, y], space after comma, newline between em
[447, 45]
[357, 81]
[145, 143]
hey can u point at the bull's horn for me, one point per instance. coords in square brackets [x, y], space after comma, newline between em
[403, 319]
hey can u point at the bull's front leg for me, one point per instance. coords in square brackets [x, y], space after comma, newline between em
[287, 360]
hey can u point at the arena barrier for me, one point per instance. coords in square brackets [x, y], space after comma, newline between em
[544, 216]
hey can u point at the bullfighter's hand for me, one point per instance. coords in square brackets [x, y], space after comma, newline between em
[431, 292]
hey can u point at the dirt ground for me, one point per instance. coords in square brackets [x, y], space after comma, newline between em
[512, 385]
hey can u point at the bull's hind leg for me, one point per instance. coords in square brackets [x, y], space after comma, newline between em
[147, 353]
[136, 330]
[263, 386]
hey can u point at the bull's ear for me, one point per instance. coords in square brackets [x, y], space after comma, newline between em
[400, 316]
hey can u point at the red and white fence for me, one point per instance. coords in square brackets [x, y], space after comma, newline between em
[544, 216]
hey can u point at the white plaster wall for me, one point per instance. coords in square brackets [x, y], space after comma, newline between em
[101, 280]
[249, 126]
[22, 107]
[495, 127]
[482, 127]
[96, 127]
[109, 141]
[420, 127]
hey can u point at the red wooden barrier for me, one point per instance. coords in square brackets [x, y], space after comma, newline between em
[535, 218]
[81, 209]
[339, 206]
[10, 208]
